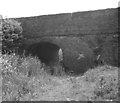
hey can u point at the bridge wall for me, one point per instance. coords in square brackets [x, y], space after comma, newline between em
[78, 23]
[90, 33]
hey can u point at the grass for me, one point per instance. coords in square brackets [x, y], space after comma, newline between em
[27, 79]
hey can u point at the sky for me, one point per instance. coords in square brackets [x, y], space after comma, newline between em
[26, 8]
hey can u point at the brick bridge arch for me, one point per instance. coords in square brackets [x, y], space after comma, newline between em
[72, 48]
[78, 34]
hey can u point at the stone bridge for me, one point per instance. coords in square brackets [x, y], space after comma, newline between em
[90, 34]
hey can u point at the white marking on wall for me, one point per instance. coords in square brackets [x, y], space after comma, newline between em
[80, 56]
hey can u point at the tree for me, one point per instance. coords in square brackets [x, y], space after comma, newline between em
[11, 35]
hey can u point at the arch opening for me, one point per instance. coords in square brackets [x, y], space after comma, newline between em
[47, 52]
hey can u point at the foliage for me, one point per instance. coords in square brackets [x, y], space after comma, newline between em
[27, 79]
[15, 75]
[105, 80]
[11, 35]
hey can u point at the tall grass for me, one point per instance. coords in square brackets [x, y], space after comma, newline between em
[26, 79]
[105, 80]
[16, 73]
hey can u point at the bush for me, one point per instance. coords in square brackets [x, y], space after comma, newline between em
[11, 35]
[30, 66]
[15, 75]
[106, 88]
[105, 80]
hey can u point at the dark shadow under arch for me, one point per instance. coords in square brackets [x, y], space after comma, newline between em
[45, 51]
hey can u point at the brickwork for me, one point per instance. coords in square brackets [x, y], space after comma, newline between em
[76, 33]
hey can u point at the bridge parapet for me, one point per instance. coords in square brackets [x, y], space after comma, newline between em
[78, 23]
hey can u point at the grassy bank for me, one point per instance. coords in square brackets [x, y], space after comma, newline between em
[27, 79]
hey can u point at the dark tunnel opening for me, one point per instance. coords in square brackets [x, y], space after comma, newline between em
[46, 52]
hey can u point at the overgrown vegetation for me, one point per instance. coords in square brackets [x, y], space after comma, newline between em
[16, 74]
[99, 84]
[11, 35]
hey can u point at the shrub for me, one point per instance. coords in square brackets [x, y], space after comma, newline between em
[30, 66]
[11, 35]
[105, 80]
[106, 88]
[15, 78]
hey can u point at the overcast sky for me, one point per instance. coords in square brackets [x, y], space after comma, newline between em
[26, 8]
